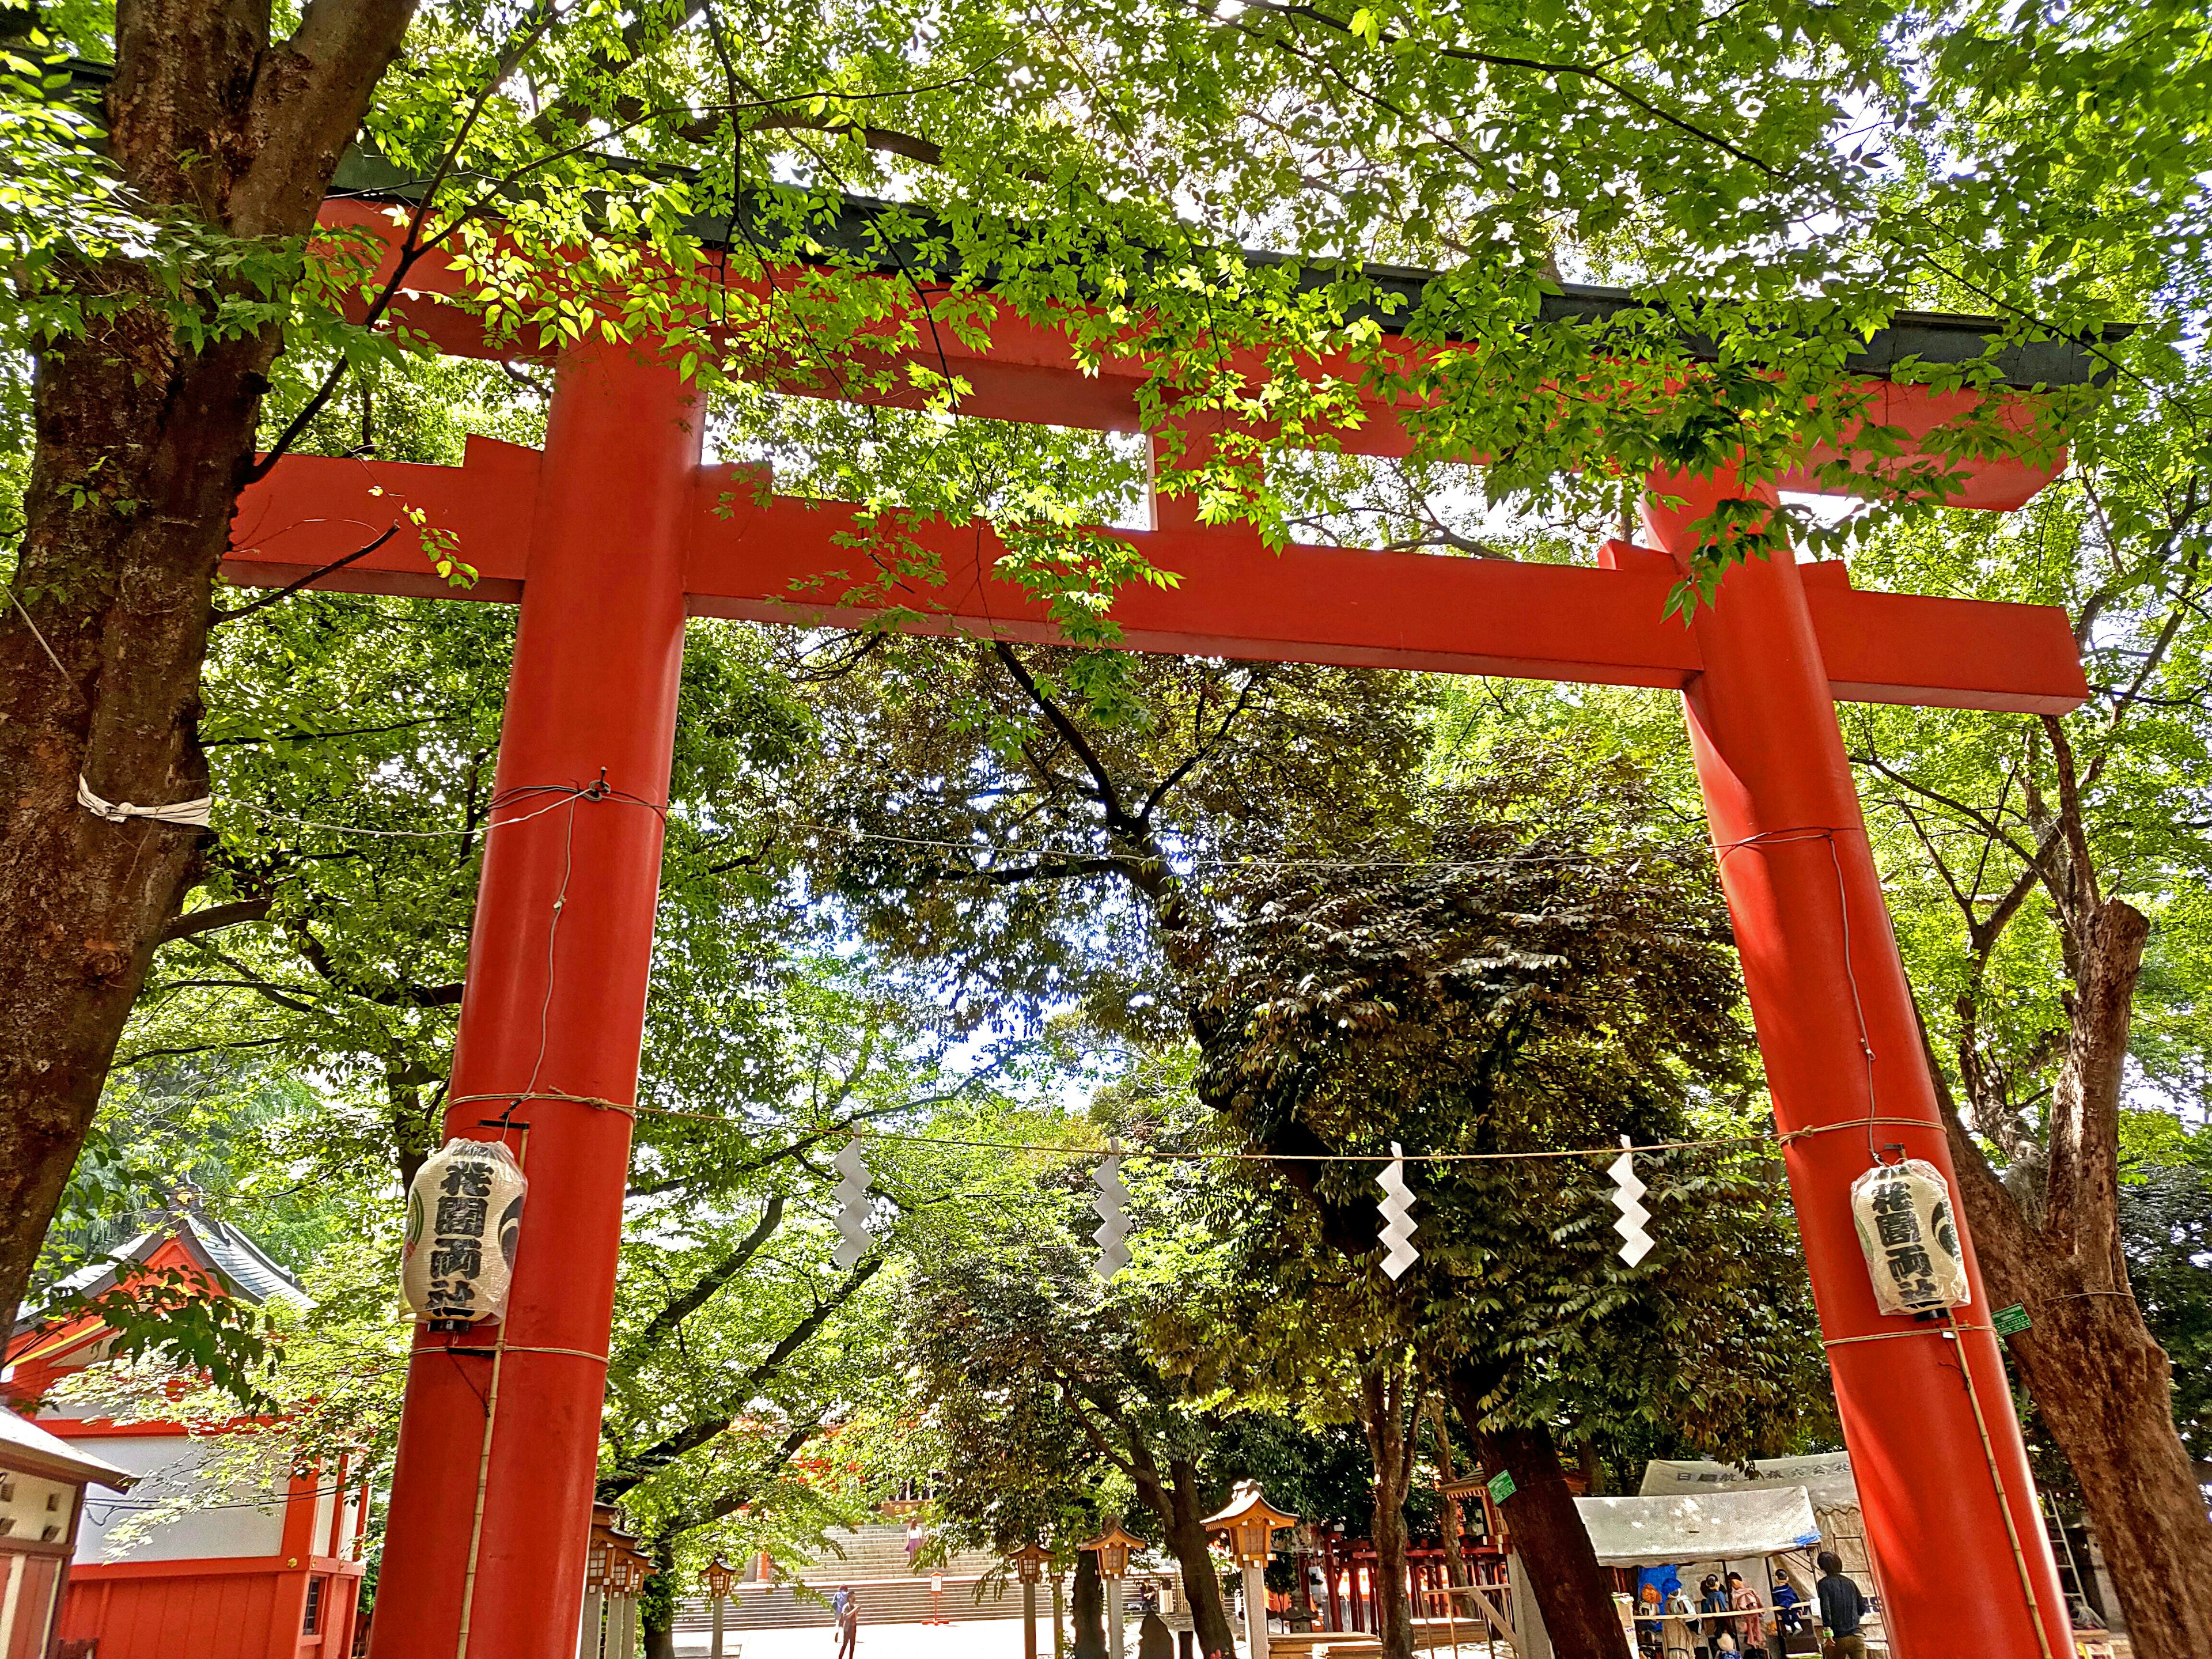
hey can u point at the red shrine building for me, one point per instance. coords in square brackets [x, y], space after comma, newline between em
[265, 1573]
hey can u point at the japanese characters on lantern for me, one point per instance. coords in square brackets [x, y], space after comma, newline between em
[1910, 1239]
[464, 1219]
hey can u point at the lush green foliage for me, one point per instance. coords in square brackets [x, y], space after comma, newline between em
[912, 885]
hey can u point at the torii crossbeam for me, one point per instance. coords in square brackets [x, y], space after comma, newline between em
[616, 532]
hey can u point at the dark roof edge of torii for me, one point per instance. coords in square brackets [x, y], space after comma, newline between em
[854, 233]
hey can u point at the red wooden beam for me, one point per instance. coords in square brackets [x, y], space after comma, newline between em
[1028, 373]
[779, 561]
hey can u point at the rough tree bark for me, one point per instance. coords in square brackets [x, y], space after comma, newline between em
[141, 445]
[1571, 1590]
[1202, 1578]
[1089, 1607]
[1389, 1409]
[2101, 1381]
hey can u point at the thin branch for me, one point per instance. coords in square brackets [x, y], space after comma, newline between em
[214, 916]
[286, 591]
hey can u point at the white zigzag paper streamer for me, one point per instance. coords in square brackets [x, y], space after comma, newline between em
[1112, 1205]
[1397, 1206]
[1635, 1243]
[853, 1206]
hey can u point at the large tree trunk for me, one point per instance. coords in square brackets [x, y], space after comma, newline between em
[656, 1606]
[1089, 1607]
[1202, 1579]
[1383, 1416]
[1572, 1591]
[142, 446]
[2098, 1376]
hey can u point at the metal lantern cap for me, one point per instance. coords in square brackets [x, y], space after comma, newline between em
[1114, 1546]
[1250, 1522]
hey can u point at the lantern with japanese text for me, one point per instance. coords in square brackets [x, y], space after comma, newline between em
[464, 1221]
[1910, 1239]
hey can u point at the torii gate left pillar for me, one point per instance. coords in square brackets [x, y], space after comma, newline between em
[616, 526]
[491, 1499]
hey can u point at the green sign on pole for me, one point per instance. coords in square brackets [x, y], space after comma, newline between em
[2009, 1322]
[1501, 1487]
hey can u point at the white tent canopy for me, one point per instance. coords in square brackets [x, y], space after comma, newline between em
[1714, 1525]
[1826, 1478]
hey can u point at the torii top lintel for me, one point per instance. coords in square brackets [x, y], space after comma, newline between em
[781, 559]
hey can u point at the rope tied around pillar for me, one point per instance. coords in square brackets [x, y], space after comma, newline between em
[515, 1097]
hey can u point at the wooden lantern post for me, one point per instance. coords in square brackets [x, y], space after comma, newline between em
[1029, 1564]
[1248, 1526]
[597, 1555]
[1113, 1546]
[719, 1577]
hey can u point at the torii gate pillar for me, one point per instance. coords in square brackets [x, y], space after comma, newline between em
[491, 1499]
[1943, 1481]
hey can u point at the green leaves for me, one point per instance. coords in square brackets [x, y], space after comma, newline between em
[174, 1317]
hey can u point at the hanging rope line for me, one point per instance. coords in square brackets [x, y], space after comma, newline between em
[1161, 1155]
[1192, 862]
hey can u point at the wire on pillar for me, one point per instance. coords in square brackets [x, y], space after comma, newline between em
[1821, 833]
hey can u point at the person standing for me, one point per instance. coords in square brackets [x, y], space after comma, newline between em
[1751, 1628]
[847, 1606]
[1842, 1606]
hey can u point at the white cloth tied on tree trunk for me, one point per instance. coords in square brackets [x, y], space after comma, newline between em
[192, 814]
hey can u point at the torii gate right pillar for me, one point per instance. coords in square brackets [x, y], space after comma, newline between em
[1964, 1565]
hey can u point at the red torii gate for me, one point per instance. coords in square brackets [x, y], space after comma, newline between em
[616, 532]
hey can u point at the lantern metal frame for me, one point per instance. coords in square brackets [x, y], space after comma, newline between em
[718, 1576]
[1028, 1562]
[1249, 1524]
[1112, 1547]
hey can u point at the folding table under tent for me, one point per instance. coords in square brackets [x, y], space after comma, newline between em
[1716, 1531]
[1826, 1477]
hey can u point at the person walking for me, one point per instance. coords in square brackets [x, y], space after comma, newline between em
[847, 1607]
[1842, 1606]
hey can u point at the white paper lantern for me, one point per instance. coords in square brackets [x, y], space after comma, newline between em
[463, 1220]
[1911, 1238]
